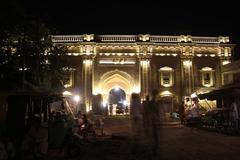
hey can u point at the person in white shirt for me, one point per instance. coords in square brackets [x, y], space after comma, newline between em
[234, 113]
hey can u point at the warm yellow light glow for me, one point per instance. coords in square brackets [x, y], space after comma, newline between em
[166, 69]
[174, 54]
[97, 91]
[226, 51]
[199, 55]
[207, 85]
[226, 62]
[124, 102]
[67, 85]
[88, 37]
[67, 93]
[87, 109]
[119, 54]
[187, 63]
[212, 55]
[136, 90]
[116, 88]
[208, 104]
[116, 62]
[23, 69]
[194, 95]
[76, 54]
[184, 38]
[131, 54]
[222, 39]
[87, 61]
[104, 103]
[145, 63]
[76, 98]
[165, 93]
[144, 37]
[206, 69]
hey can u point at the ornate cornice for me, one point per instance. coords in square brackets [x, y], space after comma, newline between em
[145, 45]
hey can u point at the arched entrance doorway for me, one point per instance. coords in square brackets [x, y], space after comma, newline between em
[117, 101]
[112, 80]
[168, 104]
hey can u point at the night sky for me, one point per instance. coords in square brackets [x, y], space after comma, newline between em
[196, 17]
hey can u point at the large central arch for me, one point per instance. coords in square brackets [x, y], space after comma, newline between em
[113, 79]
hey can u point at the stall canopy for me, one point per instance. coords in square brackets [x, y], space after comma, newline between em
[225, 91]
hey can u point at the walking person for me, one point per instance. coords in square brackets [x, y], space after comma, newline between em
[136, 115]
[182, 112]
[110, 109]
[234, 116]
[154, 121]
[146, 117]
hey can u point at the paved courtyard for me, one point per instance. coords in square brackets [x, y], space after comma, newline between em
[176, 142]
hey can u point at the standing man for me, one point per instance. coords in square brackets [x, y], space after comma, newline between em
[154, 121]
[146, 116]
[234, 114]
[136, 114]
[182, 112]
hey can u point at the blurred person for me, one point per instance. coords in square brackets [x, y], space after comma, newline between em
[136, 114]
[234, 116]
[146, 116]
[154, 121]
[182, 112]
[36, 142]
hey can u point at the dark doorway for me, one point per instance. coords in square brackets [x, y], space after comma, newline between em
[117, 101]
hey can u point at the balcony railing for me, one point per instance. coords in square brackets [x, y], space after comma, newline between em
[116, 38]
[67, 38]
[205, 40]
[168, 39]
[136, 38]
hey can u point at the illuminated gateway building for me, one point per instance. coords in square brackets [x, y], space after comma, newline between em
[176, 66]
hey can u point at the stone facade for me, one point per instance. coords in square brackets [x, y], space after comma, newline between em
[176, 66]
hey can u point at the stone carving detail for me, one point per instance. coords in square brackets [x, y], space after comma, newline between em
[144, 37]
[88, 37]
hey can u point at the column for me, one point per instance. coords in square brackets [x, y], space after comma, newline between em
[145, 77]
[219, 75]
[87, 78]
[187, 76]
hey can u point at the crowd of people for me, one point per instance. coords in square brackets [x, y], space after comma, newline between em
[145, 118]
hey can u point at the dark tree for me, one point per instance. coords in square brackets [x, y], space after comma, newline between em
[28, 59]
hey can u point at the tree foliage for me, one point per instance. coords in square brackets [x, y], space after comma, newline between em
[27, 55]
